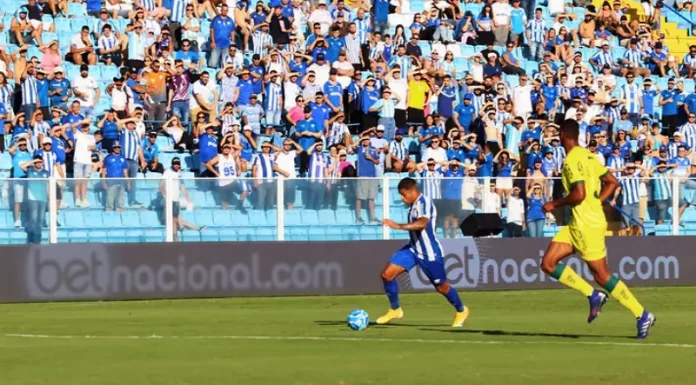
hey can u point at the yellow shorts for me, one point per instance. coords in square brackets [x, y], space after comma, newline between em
[588, 243]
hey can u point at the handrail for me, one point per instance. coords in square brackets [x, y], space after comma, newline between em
[631, 219]
[675, 11]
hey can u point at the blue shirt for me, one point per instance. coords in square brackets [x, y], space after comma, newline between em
[136, 95]
[458, 154]
[71, 118]
[365, 166]
[335, 46]
[150, 151]
[246, 88]
[187, 57]
[310, 125]
[222, 29]
[649, 101]
[208, 147]
[368, 98]
[534, 206]
[517, 16]
[115, 166]
[258, 18]
[38, 189]
[3, 111]
[63, 85]
[18, 158]
[320, 114]
[550, 95]
[671, 107]
[465, 115]
[452, 184]
[335, 93]
[42, 91]
[381, 10]
[110, 130]
[58, 149]
[257, 84]
[486, 168]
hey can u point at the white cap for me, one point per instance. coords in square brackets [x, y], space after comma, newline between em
[679, 134]
[59, 69]
[380, 127]
[47, 140]
[247, 128]
[320, 2]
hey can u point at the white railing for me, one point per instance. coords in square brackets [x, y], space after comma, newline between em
[204, 194]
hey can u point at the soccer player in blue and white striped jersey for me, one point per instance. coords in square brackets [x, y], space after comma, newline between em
[630, 198]
[423, 250]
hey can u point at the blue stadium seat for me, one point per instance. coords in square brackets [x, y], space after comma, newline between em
[111, 219]
[327, 217]
[239, 219]
[222, 218]
[74, 219]
[293, 218]
[5, 161]
[135, 236]
[149, 219]
[154, 235]
[116, 236]
[309, 217]
[77, 236]
[271, 218]
[204, 218]
[345, 217]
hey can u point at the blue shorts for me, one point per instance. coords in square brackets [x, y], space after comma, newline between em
[434, 270]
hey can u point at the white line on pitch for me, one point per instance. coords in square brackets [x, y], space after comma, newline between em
[352, 339]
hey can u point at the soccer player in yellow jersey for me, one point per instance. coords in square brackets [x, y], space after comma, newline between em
[587, 184]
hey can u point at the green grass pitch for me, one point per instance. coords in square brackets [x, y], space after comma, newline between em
[532, 337]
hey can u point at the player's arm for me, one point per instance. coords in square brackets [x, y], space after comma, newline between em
[417, 225]
[609, 186]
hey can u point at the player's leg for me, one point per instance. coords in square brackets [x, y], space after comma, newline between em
[560, 248]
[619, 291]
[436, 273]
[403, 260]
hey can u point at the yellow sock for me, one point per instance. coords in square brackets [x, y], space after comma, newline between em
[619, 291]
[570, 278]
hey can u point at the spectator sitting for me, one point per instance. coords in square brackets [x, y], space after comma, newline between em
[151, 154]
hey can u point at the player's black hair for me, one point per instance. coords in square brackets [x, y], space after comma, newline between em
[407, 184]
[570, 129]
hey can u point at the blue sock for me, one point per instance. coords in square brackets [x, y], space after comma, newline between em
[392, 290]
[453, 298]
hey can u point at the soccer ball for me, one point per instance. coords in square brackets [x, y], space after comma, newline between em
[358, 319]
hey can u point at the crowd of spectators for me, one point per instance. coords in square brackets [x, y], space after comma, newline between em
[305, 89]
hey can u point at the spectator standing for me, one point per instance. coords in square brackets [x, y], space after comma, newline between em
[630, 199]
[114, 172]
[535, 216]
[156, 81]
[20, 155]
[30, 95]
[37, 197]
[179, 95]
[367, 184]
[661, 191]
[208, 147]
[136, 47]
[133, 153]
[85, 146]
[86, 91]
[173, 176]
[263, 172]
[226, 167]
[319, 168]
[204, 97]
[385, 108]
[501, 18]
[222, 33]
[452, 186]
[516, 222]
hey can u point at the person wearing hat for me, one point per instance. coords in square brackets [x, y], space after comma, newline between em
[398, 158]
[86, 91]
[113, 173]
[668, 101]
[151, 154]
[36, 197]
[59, 89]
[25, 30]
[385, 109]
[337, 133]
[603, 58]
[171, 184]
[263, 170]
[307, 131]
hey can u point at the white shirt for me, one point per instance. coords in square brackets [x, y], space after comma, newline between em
[237, 60]
[399, 87]
[205, 92]
[522, 97]
[87, 87]
[119, 98]
[174, 185]
[515, 210]
[556, 6]
[83, 154]
[323, 17]
[439, 154]
[491, 203]
[291, 91]
[77, 42]
[501, 13]
[601, 159]
[286, 162]
[470, 193]
[343, 65]
[322, 72]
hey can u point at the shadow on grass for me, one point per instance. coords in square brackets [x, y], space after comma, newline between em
[343, 323]
[524, 334]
